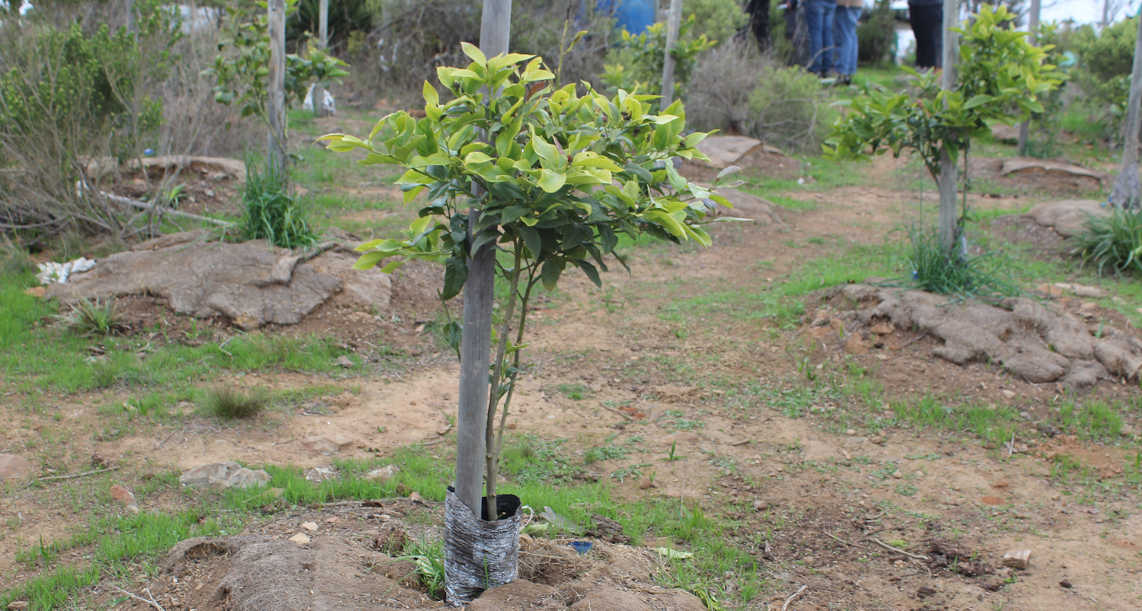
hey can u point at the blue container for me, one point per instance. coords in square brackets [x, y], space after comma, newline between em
[633, 16]
[581, 546]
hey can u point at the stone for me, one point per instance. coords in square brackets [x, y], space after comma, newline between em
[300, 539]
[1073, 175]
[392, 540]
[227, 475]
[383, 474]
[125, 497]
[17, 604]
[344, 361]
[1068, 217]
[749, 206]
[725, 151]
[250, 283]
[1017, 559]
[369, 288]
[883, 328]
[320, 474]
[310, 526]
[15, 467]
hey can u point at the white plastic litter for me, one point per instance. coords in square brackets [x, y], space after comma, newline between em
[330, 105]
[58, 273]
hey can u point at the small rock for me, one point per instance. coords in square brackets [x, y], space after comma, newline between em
[383, 474]
[344, 361]
[300, 538]
[850, 432]
[1017, 559]
[310, 526]
[320, 474]
[17, 604]
[125, 497]
[13, 467]
[925, 592]
[882, 328]
[1066, 583]
[1008, 394]
[415, 497]
[325, 445]
[227, 475]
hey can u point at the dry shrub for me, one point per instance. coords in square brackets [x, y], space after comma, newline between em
[738, 90]
[414, 37]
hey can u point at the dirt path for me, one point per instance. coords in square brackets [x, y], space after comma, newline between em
[705, 387]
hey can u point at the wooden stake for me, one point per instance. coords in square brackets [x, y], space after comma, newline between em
[323, 41]
[476, 335]
[673, 21]
[1033, 28]
[275, 100]
[948, 175]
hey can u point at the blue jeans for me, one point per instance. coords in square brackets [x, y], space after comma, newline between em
[819, 20]
[845, 24]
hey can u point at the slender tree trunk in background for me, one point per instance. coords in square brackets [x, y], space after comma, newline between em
[948, 174]
[275, 100]
[672, 22]
[323, 40]
[1126, 188]
[476, 336]
[1033, 28]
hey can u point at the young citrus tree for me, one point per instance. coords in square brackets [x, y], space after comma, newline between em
[550, 177]
[1001, 78]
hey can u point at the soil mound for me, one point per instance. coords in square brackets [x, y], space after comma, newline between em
[1034, 341]
[341, 563]
[251, 284]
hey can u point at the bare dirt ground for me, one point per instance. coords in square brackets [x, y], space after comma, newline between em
[815, 495]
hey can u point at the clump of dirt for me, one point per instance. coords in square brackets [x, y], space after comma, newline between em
[1033, 341]
[331, 559]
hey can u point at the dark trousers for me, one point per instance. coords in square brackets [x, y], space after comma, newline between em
[928, 26]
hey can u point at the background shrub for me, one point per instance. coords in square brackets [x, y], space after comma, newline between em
[877, 35]
[72, 94]
[1113, 243]
[1105, 61]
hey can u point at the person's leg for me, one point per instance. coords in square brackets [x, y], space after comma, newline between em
[846, 19]
[920, 30]
[815, 22]
[828, 42]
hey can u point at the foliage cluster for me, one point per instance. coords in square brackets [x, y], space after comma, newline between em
[877, 35]
[552, 178]
[1113, 243]
[272, 213]
[68, 95]
[1106, 59]
[241, 69]
[635, 64]
[1000, 78]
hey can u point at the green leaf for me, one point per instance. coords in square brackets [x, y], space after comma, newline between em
[552, 268]
[590, 271]
[455, 274]
[532, 240]
[474, 53]
[551, 181]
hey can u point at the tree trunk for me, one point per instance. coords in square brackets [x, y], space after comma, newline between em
[1033, 28]
[1126, 188]
[275, 100]
[475, 339]
[323, 40]
[673, 21]
[948, 174]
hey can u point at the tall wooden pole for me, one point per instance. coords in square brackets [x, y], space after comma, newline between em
[673, 22]
[948, 174]
[275, 100]
[1033, 28]
[476, 335]
[323, 40]
[1126, 188]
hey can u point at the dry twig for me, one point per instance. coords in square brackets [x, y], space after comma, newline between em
[793, 596]
[836, 538]
[56, 478]
[897, 549]
[148, 601]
